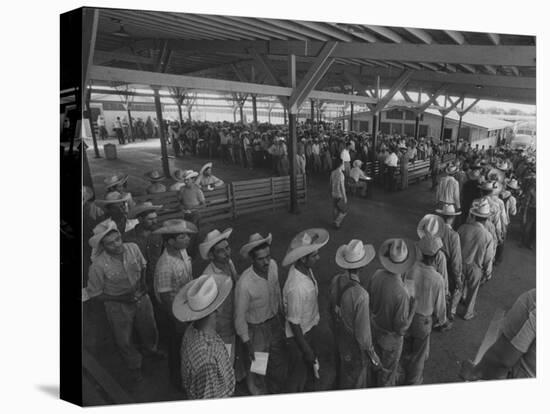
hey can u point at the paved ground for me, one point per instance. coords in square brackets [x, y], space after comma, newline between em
[373, 220]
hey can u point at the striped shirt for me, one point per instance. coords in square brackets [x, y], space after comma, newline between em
[172, 273]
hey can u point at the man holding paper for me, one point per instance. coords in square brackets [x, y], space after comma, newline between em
[257, 307]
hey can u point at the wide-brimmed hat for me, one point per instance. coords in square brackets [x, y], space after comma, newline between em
[145, 207]
[357, 163]
[304, 243]
[176, 226]
[488, 186]
[87, 193]
[200, 297]
[254, 241]
[115, 180]
[448, 210]
[154, 175]
[431, 224]
[397, 255]
[114, 197]
[205, 167]
[190, 174]
[451, 169]
[480, 208]
[513, 184]
[211, 239]
[100, 231]
[182, 175]
[355, 254]
[503, 166]
[429, 245]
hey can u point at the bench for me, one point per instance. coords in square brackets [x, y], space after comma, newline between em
[418, 170]
[234, 199]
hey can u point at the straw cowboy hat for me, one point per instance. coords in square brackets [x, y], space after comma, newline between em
[154, 175]
[357, 163]
[505, 194]
[397, 255]
[513, 184]
[211, 239]
[451, 169]
[176, 226]
[145, 207]
[488, 186]
[304, 243]
[448, 210]
[429, 245]
[100, 231]
[430, 224]
[480, 208]
[503, 166]
[182, 175]
[254, 241]
[114, 197]
[200, 297]
[87, 193]
[115, 180]
[205, 167]
[188, 174]
[355, 254]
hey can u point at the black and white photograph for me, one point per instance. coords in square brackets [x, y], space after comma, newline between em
[273, 206]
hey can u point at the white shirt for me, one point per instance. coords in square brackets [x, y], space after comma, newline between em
[344, 155]
[300, 301]
[391, 160]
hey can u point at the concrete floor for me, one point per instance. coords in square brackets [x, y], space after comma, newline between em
[373, 220]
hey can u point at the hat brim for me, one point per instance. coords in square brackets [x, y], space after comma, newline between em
[121, 181]
[150, 178]
[443, 213]
[393, 267]
[136, 211]
[190, 228]
[205, 167]
[125, 198]
[474, 212]
[245, 250]
[420, 227]
[451, 172]
[96, 238]
[292, 255]
[205, 247]
[341, 261]
[180, 306]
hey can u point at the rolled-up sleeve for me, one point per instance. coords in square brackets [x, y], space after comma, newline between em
[294, 307]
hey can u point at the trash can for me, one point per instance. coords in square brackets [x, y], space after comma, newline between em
[110, 151]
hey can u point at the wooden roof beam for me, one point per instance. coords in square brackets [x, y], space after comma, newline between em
[467, 109]
[469, 68]
[260, 25]
[327, 30]
[226, 21]
[385, 32]
[456, 36]
[420, 35]
[396, 87]
[495, 38]
[294, 27]
[491, 69]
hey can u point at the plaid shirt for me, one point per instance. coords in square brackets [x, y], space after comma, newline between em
[172, 273]
[206, 369]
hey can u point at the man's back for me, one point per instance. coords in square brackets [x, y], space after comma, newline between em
[389, 301]
[475, 240]
[427, 286]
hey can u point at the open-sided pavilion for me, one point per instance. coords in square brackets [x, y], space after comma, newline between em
[295, 61]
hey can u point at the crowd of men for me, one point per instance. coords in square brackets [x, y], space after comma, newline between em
[219, 328]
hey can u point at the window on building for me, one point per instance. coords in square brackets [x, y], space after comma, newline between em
[408, 130]
[410, 116]
[394, 114]
[385, 127]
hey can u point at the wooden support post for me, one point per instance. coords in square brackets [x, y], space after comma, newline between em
[130, 123]
[442, 121]
[460, 113]
[292, 136]
[241, 113]
[163, 149]
[180, 113]
[374, 129]
[285, 116]
[351, 117]
[417, 126]
[254, 112]
[312, 113]
[89, 111]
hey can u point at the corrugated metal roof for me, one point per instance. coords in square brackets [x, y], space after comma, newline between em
[478, 120]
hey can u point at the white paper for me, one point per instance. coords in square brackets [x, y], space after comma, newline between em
[259, 365]
[228, 347]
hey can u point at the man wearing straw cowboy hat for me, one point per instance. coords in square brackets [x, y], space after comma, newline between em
[172, 272]
[115, 206]
[215, 247]
[392, 309]
[149, 244]
[453, 253]
[191, 198]
[476, 244]
[118, 183]
[117, 278]
[257, 309]
[206, 369]
[300, 305]
[177, 175]
[206, 180]
[156, 186]
[426, 285]
[359, 177]
[448, 190]
[490, 191]
[349, 303]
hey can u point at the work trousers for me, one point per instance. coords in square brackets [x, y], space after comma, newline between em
[390, 178]
[353, 364]
[472, 280]
[529, 233]
[388, 346]
[416, 348]
[268, 337]
[123, 318]
[316, 163]
[339, 211]
[172, 332]
[299, 371]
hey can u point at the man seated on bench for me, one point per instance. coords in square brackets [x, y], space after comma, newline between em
[359, 178]
[206, 181]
